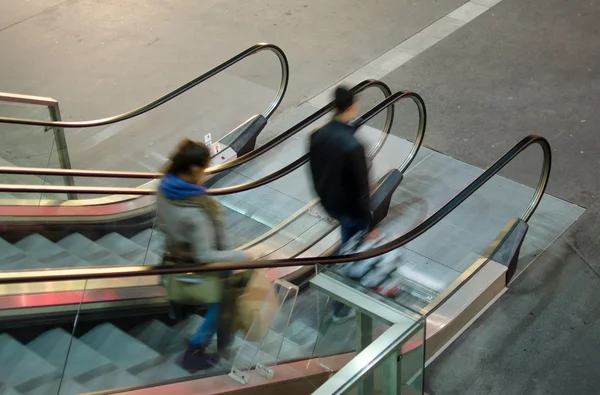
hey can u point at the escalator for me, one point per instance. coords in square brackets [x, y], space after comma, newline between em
[91, 326]
[119, 231]
[296, 235]
[140, 344]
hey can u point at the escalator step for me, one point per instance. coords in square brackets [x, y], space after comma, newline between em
[96, 255]
[14, 258]
[66, 386]
[49, 254]
[160, 337]
[278, 347]
[162, 372]
[240, 228]
[122, 349]
[21, 368]
[301, 334]
[53, 346]
[130, 251]
[5, 389]
[266, 204]
[114, 379]
[152, 239]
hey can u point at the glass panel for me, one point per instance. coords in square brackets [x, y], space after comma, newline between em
[412, 363]
[401, 370]
[407, 310]
[80, 236]
[30, 146]
[132, 336]
[429, 264]
[265, 343]
[120, 230]
[34, 343]
[272, 204]
[128, 334]
[216, 107]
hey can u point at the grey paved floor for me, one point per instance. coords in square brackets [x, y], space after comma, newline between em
[525, 68]
[103, 58]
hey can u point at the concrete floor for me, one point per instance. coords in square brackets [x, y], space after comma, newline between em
[100, 58]
[524, 68]
[519, 68]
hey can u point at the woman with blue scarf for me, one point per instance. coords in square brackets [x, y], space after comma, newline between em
[191, 221]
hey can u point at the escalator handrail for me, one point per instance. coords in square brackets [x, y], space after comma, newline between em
[69, 274]
[309, 120]
[218, 168]
[173, 94]
[385, 104]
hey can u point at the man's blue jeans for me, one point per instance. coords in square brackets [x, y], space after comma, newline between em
[350, 227]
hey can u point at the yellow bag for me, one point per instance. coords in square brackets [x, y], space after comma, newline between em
[250, 315]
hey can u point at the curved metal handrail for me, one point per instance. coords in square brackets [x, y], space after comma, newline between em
[307, 121]
[385, 104]
[285, 69]
[228, 165]
[132, 271]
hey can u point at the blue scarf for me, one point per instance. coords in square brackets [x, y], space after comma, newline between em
[174, 187]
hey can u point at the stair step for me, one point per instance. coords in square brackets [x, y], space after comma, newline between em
[160, 337]
[14, 258]
[162, 372]
[240, 228]
[278, 348]
[301, 334]
[67, 387]
[21, 368]
[129, 250]
[96, 255]
[112, 380]
[188, 327]
[122, 349]
[48, 253]
[5, 389]
[151, 238]
[53, 346]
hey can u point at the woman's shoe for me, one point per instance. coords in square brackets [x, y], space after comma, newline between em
[196, 358]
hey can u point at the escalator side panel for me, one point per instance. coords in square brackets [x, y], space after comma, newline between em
[508, 252]
[382, 196]
[242, 140]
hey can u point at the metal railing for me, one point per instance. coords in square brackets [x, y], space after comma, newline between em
[383, 105]
[58, 125]
[230, 164]
[62, 151]
[176, 92]
[133, 271]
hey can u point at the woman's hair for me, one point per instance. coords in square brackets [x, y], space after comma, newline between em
[189, 153]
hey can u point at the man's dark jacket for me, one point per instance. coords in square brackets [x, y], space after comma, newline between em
[339, 171]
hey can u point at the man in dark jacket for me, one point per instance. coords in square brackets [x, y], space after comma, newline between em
[340, 175]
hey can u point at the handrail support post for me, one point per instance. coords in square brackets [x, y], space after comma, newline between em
[61, 148]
